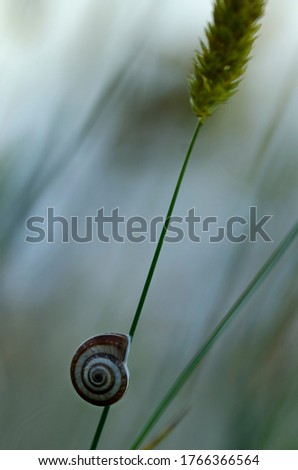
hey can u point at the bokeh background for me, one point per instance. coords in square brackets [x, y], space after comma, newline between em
[94, 113]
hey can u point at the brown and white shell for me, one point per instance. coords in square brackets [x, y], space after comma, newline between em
[99, 370]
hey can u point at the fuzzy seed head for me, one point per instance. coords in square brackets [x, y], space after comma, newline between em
[219, 67]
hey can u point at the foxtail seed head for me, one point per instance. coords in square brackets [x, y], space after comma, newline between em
[219, 67]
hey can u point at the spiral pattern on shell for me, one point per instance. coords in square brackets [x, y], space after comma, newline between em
[99, 369]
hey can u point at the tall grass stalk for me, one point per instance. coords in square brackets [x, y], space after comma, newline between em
[150, 274]
[218, 70]
[202, 351]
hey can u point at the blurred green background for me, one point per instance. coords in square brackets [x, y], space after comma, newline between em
[94, 113]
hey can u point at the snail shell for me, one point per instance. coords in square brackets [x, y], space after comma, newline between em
[99, 369]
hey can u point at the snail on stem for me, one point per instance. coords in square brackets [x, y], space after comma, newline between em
[99, 370]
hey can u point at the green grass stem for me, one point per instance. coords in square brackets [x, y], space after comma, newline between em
[197, 358]
[100, 427]
[162, 235]
[150, 274]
